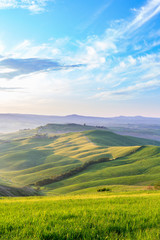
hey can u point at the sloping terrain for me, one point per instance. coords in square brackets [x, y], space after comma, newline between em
[29, 160]
[113, 139]
[141, 167]
[7, 191]
[32, 159]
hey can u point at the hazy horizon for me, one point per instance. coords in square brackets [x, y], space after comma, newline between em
[75, 114]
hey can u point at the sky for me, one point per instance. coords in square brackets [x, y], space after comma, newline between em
[94, 57]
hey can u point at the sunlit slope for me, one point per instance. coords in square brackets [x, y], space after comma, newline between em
[141, 167]
[32, 159]
[106, 138]
[26, 161]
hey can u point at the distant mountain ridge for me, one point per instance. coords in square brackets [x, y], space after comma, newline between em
[138, 126]
[13, 122]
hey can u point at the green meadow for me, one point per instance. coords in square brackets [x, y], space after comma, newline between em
[134, 215]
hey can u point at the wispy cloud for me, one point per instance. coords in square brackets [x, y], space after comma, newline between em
[123, 65]
[9, 89]
[144, 14]
[10, 67]
[116, 65]
[35, 6]
[130, 91]
[121, 36]
[54, 48]
[132, 77]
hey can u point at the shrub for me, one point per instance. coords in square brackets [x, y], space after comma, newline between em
[103, 190]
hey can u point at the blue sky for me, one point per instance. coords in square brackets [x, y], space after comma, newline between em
[91, 57]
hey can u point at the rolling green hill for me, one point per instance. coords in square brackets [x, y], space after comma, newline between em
[112, 139]
[27, 160]
[141, 167]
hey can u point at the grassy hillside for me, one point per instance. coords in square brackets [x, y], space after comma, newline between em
[7, 191]
[103, 138]
[139, 168]
[88, 217]
[28, 160]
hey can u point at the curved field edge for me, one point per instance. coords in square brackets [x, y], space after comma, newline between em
[142, 167]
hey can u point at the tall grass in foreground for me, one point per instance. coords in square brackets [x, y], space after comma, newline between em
[84, 217]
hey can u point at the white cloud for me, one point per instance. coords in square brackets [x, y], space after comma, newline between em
[128, 92]
[35, 6]
[131, 78]
[144, 14]
[6, 70]
[28, 49]
[108, 71]
[97, 51]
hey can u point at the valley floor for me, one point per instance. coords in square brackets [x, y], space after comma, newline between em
[124, 215]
